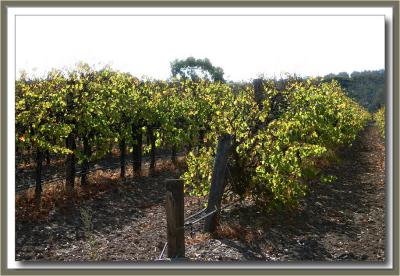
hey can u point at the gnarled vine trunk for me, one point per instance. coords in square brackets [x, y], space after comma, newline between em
[122, 157]
[38, 176]
[85, 165]
[137, 149]
[70, 170]
[152, 140]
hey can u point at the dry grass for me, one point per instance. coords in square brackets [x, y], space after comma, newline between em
[55, 195]
[198, 238]
[328, 159]
[236, 232]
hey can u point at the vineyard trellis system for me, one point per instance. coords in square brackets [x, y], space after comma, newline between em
[26, 184]
[193, 219]
[275, 132]
[176, 223]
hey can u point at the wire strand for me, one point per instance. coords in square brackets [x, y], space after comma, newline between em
[162, 252]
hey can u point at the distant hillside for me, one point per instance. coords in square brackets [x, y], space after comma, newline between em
[367, 87]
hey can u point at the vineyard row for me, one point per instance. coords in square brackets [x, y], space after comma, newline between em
[276, 133]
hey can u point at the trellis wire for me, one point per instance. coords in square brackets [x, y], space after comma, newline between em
[29, 184]
[197, 220]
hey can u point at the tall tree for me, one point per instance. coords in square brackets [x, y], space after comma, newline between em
[196, 69]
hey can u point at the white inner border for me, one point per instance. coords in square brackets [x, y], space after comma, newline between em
[11, 74]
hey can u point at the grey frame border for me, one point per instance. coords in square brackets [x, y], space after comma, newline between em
[209, 270]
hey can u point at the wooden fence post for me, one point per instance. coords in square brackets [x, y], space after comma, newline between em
[173, 154]
[38, 176]
[217, 181]
[137, 148]
[87, 150]
[122, 157]
[175, 218]
[258, 92]
[152, 138]
[70, 170]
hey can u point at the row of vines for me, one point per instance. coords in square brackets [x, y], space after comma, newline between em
[279, 132]
[379, 118]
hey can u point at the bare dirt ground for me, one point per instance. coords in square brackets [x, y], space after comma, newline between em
[116, 220]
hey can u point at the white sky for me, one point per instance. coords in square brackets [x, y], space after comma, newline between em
[244, 46]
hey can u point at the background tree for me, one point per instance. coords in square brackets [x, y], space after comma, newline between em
[196, 69]
[366, 87]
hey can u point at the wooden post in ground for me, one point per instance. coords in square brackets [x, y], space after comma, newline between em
[175, 218]
[137, 148]
[173, 155]
[70, 170]
[259, 97]
[47, 157]
[218, 181]
[122, 157]
[38, 177]
[87, 151]
[152, 141]
[259, 92]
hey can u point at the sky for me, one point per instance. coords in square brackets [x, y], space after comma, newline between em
[244, 46]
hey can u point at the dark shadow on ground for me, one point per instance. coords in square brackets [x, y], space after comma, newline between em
[331, 219]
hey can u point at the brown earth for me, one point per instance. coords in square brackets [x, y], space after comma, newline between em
[125, 221]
